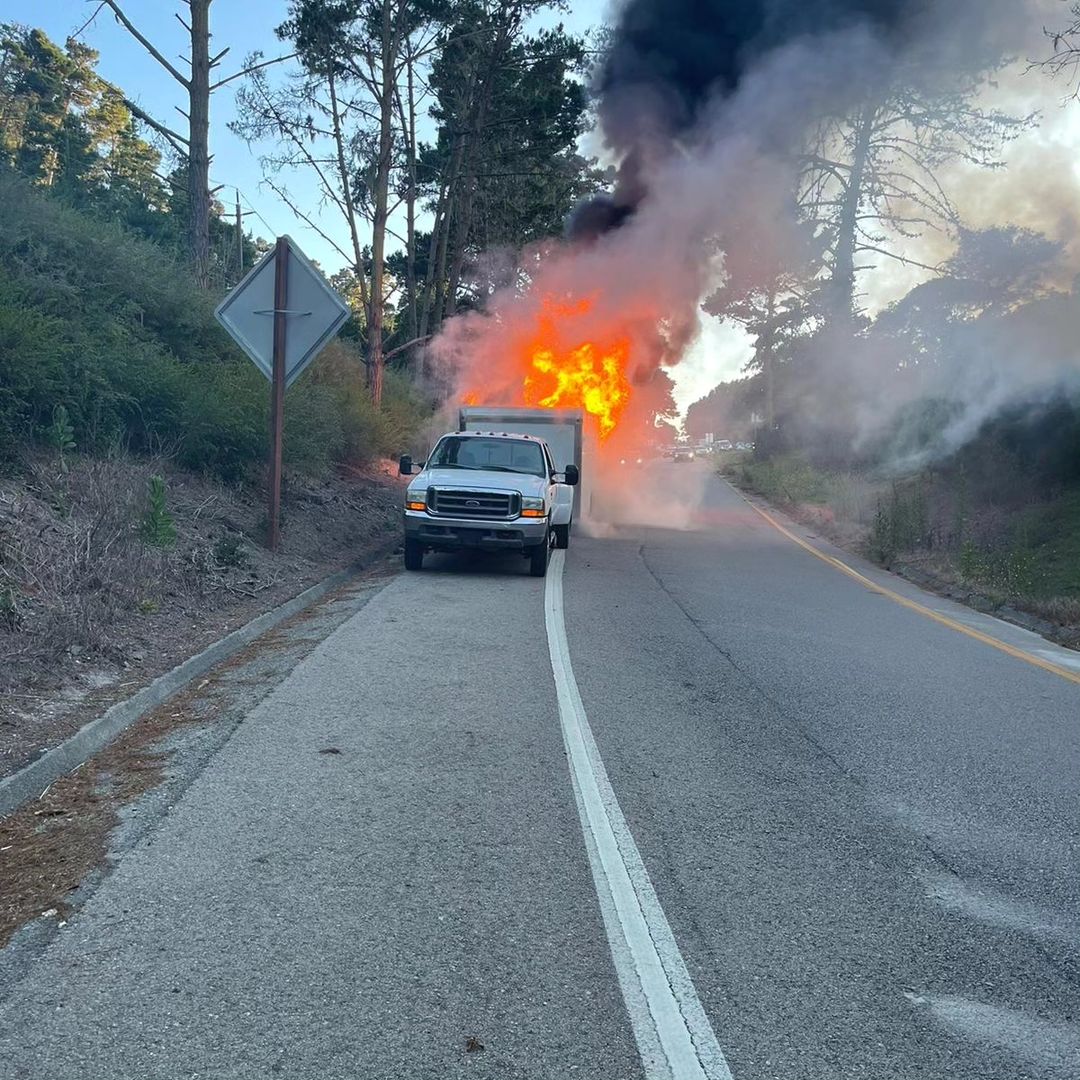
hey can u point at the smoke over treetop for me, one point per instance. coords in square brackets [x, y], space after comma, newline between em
[714, 109]
[669, 59]
[688, 50]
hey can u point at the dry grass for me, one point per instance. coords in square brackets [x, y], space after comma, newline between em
[90, 605]
[1063, 610]
[72, 561]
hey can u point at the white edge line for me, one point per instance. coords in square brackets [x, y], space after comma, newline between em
[674, 1037]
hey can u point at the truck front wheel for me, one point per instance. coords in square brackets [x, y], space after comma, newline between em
[414, 555]
[538, 558]
[562, 536]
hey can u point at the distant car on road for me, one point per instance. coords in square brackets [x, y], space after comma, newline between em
[725, 444]
[683, 453]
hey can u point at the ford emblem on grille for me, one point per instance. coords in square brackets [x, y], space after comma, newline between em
[472, 502]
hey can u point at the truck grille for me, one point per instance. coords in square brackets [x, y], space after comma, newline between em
[488, 505]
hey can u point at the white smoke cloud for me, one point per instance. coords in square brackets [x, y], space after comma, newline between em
[718, 208]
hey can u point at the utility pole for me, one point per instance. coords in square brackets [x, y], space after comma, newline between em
[239, 238]
[238, 228]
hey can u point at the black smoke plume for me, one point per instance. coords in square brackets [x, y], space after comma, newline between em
[670, 59]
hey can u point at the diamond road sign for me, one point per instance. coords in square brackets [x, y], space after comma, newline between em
[315, 313]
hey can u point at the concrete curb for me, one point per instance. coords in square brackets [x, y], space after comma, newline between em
[29, 781]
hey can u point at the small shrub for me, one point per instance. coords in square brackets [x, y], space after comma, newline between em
[60, 501]
[882, 539]
[9, 609]
[60, 434]
[229, 551]
[157, 527]
[901, 523]
[969, 562]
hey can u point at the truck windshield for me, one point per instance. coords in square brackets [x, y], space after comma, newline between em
[501, 455]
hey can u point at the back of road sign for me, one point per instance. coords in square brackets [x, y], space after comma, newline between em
[315, 313]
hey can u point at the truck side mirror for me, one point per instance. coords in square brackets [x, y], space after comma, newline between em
[572, 475]
[405, 465]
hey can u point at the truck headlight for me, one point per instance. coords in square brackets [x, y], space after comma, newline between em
[415, 500]
[532, 507]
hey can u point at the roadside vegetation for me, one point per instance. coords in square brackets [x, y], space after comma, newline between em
[133, 432]
[133, 439]
[106, 343]
[938, 434]
[994, 526]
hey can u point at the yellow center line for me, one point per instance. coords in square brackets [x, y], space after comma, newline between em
[914, 605]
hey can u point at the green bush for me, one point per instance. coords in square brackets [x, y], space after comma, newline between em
[787, 478]
[105, 330]
[60, 433]
[157, 527]
[901, 523]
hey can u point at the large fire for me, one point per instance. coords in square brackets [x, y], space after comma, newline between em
[558, 370]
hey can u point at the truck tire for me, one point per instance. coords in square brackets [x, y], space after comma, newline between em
[538, 559]
[562, 536]
[414, 555]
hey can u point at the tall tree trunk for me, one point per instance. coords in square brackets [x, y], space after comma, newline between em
[843, 276]
[195, 146]
[199, 142]
[438, 297]
[481, 103]
[461, 240]
[440, 241]
[428, 302]
[390, 46]
[410, 204]
[768, 360]
[346, 190]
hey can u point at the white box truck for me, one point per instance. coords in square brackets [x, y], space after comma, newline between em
[504, 481]
[562, 429]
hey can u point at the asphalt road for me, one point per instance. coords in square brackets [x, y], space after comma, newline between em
[850, 835]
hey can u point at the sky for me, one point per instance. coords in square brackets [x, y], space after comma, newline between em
[1035, 189]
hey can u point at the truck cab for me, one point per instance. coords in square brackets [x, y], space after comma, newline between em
[488, 491]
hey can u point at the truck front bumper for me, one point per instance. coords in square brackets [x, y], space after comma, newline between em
[454, 534]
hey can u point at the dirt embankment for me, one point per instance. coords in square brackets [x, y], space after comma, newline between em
[108, 578]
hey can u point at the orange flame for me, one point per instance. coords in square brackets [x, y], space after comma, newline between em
[589, 375]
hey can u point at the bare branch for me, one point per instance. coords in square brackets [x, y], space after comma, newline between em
[177, 141]
[128, 25]
[408, 345]
[288, 133]
[97, 11]
[288, 200]
[249, 70]
[897, 257]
